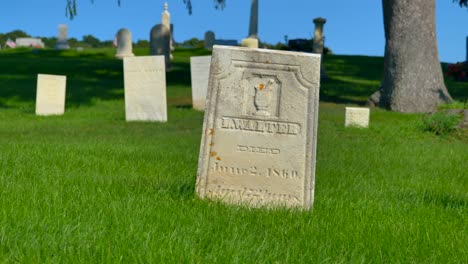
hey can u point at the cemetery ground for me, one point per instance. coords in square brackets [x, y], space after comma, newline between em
[89, 187]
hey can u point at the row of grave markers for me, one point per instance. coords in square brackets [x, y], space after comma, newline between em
[259, 135]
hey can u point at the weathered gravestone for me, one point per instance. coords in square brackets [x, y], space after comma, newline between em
[50, 95]
[160, 43]
[357, 116]
[199, 71]
[260, 128]
[209, 40]
[145, 88]
[62, 40]
[124, 44]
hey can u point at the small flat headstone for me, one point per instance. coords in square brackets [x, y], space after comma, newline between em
[199, 71]
[50, 96]
[145, 88]
[260, 129]
[357, 116]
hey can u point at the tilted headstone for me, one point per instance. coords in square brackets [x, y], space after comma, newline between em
[200, 72]
[124, 44]
[250, 43]
[62, 40]
[209, 40]
[260, 128]
[357, 116]
[160, 43]
[145, 88]
[50, 95]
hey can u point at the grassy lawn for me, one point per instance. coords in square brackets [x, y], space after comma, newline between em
[87, 187]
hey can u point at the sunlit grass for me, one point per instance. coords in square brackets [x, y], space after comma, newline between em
[89, 187]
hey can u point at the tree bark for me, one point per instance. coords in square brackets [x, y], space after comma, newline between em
[413, 80]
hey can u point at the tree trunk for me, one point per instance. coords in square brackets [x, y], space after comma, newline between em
[413, 80]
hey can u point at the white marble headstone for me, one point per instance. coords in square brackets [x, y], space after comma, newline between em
[199, 71]
[50, 95]
[260, 128]
[357, 116]
[145, 88]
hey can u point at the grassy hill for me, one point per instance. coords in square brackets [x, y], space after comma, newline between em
[89, 187]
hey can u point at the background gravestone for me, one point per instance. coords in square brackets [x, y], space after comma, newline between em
[29, 42]
[209, 40]
[260, 128]
[160, 43]
[318, 35]
[199, 72]
[145, 88]
[357, 116]
[124, 44]
[62, 40]
[50, 95]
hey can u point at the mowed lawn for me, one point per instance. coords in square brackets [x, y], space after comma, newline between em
[88, 187]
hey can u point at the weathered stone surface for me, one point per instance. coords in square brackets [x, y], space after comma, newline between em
[145, 88]
[160, 37]
[199, 71]
[62, 40]
[209, 40]
[260, 128]
[357, 116]
[124, 44]
[250, 43]
[50, 96]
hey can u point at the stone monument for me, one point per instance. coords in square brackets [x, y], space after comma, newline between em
[260, 128]
[357, 116]
[252, 40]
[199, 72]
[209, 40]
[124, 44]
[145, 88]
[318, 35]
[166, 21]
[62, 40]
[50, 95]
[160, 43]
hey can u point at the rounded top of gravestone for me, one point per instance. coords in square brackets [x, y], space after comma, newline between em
[122, 30]
[320, 20]
[209, 33]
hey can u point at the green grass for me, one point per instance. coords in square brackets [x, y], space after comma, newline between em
[87, 187]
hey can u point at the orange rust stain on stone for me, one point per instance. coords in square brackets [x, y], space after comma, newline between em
[218, 158]
[211, 132]
[262, 86]
[213, 153]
